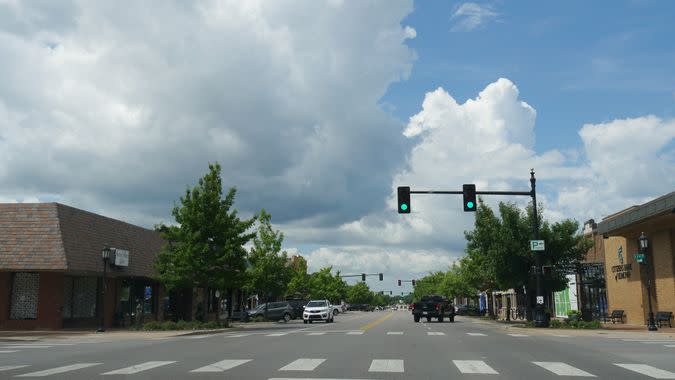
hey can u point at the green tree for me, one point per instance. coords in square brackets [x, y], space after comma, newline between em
[359, 293]
[498, 253]
[205, 247]
[323, 285]
[298, 286]
[270, 270]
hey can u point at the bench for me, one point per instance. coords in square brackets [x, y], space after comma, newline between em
[617, 314]
[663, 317]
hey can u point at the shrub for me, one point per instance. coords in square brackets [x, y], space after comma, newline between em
[169, 325]
[152, 326]
[182, 325]
[556, 324]
[258, 318]
[210, 325]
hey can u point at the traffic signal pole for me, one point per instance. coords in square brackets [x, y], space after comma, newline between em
[539, 315]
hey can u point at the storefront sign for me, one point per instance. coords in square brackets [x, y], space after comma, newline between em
[121, 257]
[622, 271]
[619, 254]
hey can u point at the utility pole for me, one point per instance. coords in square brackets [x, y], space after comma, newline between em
[539, 314]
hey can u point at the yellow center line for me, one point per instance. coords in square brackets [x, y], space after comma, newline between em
[377, 322]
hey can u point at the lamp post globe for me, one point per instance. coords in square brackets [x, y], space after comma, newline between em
[105, 255]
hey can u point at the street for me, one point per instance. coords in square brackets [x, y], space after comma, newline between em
[359, 345]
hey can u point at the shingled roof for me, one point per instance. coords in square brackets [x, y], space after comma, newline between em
[56, 237]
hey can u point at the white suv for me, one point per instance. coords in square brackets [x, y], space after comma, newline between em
[317, 310]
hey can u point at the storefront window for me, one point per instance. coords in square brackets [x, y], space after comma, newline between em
[24, 303]
[79, 297]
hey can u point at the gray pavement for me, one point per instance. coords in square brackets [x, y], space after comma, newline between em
[376, 345]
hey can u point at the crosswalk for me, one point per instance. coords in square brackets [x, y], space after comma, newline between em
[667, 343]
[307, 365]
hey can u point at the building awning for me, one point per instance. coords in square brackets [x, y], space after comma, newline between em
[636, 214]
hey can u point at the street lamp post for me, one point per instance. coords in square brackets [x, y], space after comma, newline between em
[644, 244]
[105, 255]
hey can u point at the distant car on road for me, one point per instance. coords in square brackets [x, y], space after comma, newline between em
[467, 310]
[433, 306]
[318, 310]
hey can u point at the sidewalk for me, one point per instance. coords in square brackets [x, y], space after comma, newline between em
[608, 330]
[121, 333]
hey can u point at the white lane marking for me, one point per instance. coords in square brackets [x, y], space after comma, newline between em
[24, 346]
[200, 336]
[647, 370]
[277, 334]
[306, 378]
[655, 342]
[476, 334]
[355, 333]
[435, 333]
[43, 344]
[221, 366]
[8, 351]
[11, 367]
[53, 371]
[138, 368]
[474, 366]
[317, 333]
[518, 335]
[563, 369]
[394, 332]
[670, 345]
[237, 335]
[561, 336]
[303, 365]
[649, 340]
[379, 365]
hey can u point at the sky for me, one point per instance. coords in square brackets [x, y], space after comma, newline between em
[318, 110]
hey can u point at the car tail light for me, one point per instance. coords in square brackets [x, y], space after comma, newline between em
[412, 307]
[438, 306]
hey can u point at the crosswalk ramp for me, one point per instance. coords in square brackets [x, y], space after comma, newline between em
[308, 365]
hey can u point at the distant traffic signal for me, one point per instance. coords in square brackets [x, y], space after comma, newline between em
[469, 195]
[413, 282]
[404, 200]
[381, 277]
[363, 277]
[399, 282]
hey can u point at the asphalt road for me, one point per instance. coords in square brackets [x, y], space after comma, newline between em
[376, 345]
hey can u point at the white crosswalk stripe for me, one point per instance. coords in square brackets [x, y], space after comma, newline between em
[670, 345]
[221, 366]
[54, 371]
[394, 332]
[474, 366]
[563, 369]
[380, 365]
[647, 370]
[355, 333]
[518, 335]
[138, 368]
[277, 334]
[317, 333]
[303, 365]
[11, 367]
[435, 333]
[11, 347]
[476, 334]
[237, 335]
[8, 351]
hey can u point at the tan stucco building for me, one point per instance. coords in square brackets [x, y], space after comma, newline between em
[626, 278]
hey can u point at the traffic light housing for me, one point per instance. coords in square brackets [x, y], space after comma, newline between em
[399, 282]
[381, 277]
[469, 195]
[413, 282]
[363, 277]
[404, 199]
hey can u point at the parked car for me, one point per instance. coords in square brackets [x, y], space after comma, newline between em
[298, 306]
[275, 311]
[467, 310]
[318, 310]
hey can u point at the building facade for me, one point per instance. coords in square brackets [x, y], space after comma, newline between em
[626, 278]
[51, 269]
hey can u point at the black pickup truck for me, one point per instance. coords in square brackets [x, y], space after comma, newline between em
[433, 306]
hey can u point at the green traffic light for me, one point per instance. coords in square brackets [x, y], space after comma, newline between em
[404, 206]
[469, 204]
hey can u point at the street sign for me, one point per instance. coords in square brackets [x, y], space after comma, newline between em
[536, 245]
[640, 257]
[121, 257]
[540, 300]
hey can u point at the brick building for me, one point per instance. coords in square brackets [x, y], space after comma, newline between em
[625, 277]
[51, 268]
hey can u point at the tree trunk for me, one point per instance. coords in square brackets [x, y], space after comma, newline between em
[206, 304]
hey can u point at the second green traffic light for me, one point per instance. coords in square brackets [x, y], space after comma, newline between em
[469, 195]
